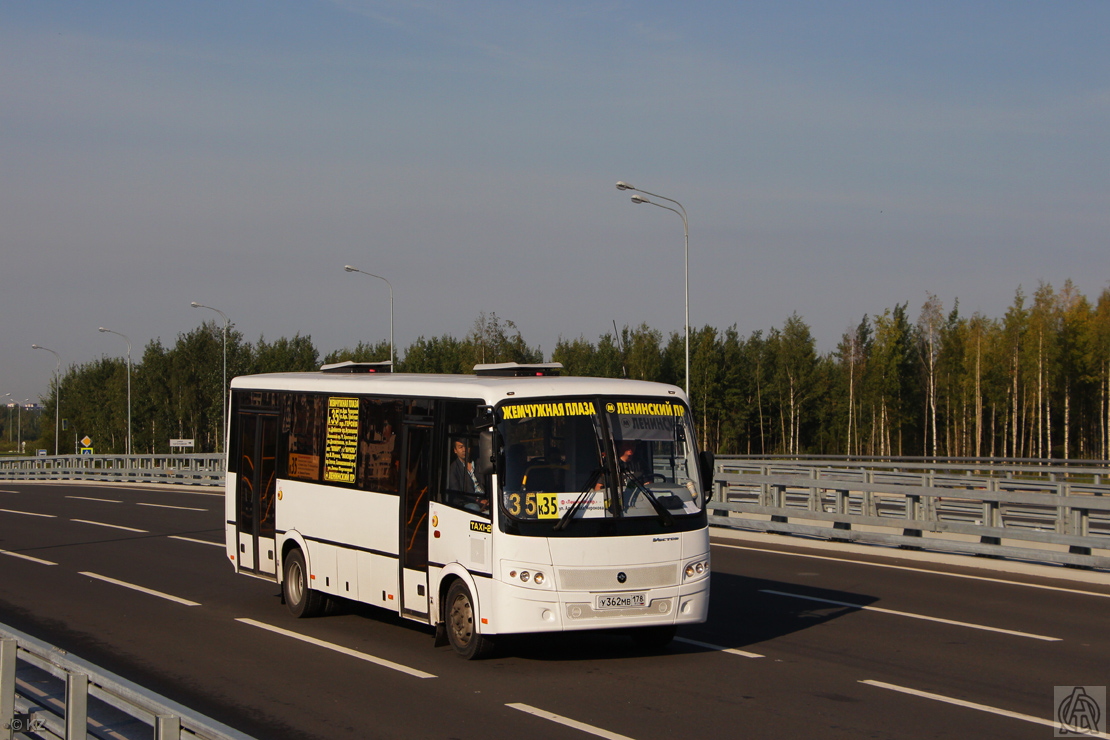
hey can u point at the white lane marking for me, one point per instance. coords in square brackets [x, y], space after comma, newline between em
[167, 506]
[26, 557]
[90, 498]
[143, 589]
[199, 542]
[152, 486]
[914, 616]
[29, 513]
[113, 526]
[338, 648]
[734, 651]
[568, 722]
[973, 705]
[918, 570]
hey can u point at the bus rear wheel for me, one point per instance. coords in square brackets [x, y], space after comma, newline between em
[462, 631]
[301, 599]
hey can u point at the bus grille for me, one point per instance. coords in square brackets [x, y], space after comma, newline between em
[587, 611]
[605, 579]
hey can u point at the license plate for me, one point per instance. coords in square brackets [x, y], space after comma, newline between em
[620, 601]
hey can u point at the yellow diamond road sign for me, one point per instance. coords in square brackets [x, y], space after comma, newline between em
[86, 441]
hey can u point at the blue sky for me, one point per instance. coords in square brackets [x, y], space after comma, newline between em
[835, 159]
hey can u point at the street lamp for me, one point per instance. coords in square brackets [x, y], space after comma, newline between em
[57, 396]
[109, 331]
[348, 268]
[10, 402]
[223, 431]
[19, 420]
[622, 185]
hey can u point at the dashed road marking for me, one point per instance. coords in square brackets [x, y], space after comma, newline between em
[911, 615]
[721, 648]
[167, 506]
[338, 648]
[973, 705]
[113, 526]
[29, 513]
[199, 542]
[568, 722]
[21, 556]
[142, 589]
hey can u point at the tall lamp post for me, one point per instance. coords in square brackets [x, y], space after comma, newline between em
[109, 331]
[10, 402]
[57, 395]
[622, 185]
[348, 268]
[223, 431]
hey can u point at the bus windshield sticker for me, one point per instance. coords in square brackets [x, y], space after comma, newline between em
[645, 421]
[341, 450]
[533, 410]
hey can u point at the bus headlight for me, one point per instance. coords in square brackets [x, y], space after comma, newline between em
[696, 569]
[524, 575]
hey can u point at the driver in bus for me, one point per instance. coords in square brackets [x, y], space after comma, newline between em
[463, 478]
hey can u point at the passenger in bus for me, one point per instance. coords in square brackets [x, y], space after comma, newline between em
[463, 478]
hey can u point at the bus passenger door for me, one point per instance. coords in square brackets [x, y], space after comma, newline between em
[255, 483]
[415, 490]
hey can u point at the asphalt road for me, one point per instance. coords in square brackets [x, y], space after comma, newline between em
[798, 644]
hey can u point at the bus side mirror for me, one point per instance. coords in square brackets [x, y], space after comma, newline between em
[708, 465]
[486, 463]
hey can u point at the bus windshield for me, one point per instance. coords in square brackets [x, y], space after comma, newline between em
[597, 458]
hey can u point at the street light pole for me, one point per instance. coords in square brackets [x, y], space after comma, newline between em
[348, 268]
[57, 396]
[10, 401]
[622, 185]
[223, 431]
[109, 331]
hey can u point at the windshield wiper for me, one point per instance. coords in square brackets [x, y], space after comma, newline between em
[586, 493]
[664, 516]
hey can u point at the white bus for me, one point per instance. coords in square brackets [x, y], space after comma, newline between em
[508, 501]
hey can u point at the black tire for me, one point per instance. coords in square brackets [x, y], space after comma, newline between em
[301, 599]
[654, 638]
[460, 617]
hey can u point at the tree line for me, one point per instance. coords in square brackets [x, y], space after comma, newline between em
[1033, 383]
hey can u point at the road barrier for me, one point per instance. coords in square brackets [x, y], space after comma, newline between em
[46, 692]
[198, 469]
[965, 508]
[1047, 511]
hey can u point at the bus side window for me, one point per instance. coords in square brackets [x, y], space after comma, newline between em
[305, 417]
[379, 447]
[464, 487]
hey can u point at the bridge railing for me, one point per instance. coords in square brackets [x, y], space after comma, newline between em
[46, 692]
[201, 469]
[957, 508]
[1037, 510]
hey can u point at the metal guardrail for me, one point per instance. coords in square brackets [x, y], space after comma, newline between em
[57, 695]
[956, 510]
[1000, 467]
[1044, 511]
[201, 469]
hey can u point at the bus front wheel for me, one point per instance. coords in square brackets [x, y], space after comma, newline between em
[301, 599]
[462, 632]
